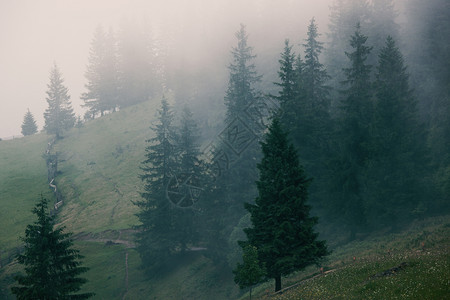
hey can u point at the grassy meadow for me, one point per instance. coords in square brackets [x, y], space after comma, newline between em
[412, 264]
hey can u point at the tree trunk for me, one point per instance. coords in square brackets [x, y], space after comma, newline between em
[277, 283]
[250, 293]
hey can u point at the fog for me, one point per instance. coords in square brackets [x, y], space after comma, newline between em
[200, 33]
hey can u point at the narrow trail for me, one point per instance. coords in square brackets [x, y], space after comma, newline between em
[106, 238]
[52, 170]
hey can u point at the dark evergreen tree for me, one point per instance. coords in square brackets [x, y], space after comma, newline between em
[353, 136]
[344, 15]
[243, 76]
[59, 115]
[314, 74]
[283, 230]
[312, 135]
[289, 95]
[234, 162]
[250, 272]
[189, 152]
[398, 153]
[52, 266]
[377, 19]
[156, 238]
[102, 76]
[190, 178]
[29, 126]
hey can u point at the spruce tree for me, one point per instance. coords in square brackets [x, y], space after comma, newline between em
[29, 126]
[189, 179]
[344, 15]
[59, 115]
[313, 133]
[314, 74]
[290, 86]
[353, 136]
[52, 266]
[282, 228]
[101, 73]
[238, 146]
[398, 152]
[156, 239]
[242, 127]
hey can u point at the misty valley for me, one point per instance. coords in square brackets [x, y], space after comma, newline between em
[266, 166]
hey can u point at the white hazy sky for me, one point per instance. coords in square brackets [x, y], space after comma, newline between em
[36, 33]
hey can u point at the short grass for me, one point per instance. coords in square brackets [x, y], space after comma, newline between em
[424, 247]
[23, 177]
[98, 174]
[100, 168]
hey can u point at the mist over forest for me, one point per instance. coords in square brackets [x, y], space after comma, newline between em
[211, 149]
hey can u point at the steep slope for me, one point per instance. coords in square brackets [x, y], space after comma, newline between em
[23, 176]
[98, 177]
[99, 165]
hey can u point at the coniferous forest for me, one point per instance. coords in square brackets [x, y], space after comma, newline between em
[262, 173]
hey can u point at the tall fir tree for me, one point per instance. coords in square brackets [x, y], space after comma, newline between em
[344, 15]
[397, 170]
[29, 126]
[52, 266]
[102, 74]
[156, 239]
[59, 115]
[313, 133]
[190, 174]
[353, 137]
[282, 228]
[243, 77]
[236, 156]
[289, 95]
[315, 75]
[138, 78]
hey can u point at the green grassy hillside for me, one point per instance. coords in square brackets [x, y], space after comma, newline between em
[99, 165]
[23, 176]
[412, 264]
[98, 176]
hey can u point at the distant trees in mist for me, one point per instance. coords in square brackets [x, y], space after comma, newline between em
[59, 115]
[123, 69]
[167, 215]
[29, 126]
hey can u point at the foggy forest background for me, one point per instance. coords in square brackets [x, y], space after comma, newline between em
[363, 93]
